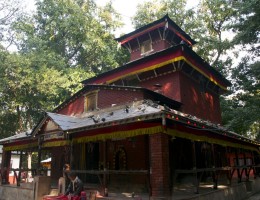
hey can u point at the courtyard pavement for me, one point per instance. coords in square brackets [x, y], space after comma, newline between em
[254, 197]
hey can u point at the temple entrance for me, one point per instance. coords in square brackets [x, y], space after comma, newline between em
[120, 159]
[92, 160]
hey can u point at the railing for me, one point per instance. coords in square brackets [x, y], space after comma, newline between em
[102, 182]
[216, 171]
[20, 175]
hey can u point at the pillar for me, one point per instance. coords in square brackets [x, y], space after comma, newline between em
[29, 165]
[20, 168]
[5, 167]
[159, 166]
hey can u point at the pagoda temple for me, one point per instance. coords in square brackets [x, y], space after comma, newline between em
[148, 126]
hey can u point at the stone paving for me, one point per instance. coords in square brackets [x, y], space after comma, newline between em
[254, 197]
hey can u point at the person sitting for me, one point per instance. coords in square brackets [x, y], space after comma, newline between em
[76, 185]
[64, 180]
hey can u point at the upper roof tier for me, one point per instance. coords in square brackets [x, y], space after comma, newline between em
[163, 24]
[156, 36]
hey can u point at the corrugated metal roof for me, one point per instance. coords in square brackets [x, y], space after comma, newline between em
[108, 115]
[21, 135]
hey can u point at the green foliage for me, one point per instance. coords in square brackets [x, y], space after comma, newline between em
[243, 107]
[241, 110]
[247, 25]
[10, 11]
[206, 24]
[77, 31]
[29, 87]
[63, 43]
[152, 10]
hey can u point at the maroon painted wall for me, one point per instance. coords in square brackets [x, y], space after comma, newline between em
[176, 85]
[136, 149]
[119, 97]
[73, 108]
[104, 100]
[182, 88]
[204, 105]
[170, 85]
[157, 45]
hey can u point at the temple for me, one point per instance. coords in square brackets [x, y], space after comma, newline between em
[150, 126]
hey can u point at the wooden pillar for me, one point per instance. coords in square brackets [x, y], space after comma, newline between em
[194, 164]
[71, 155]
[194, 159]
[159, 166]
[237, 165]
[39, 161]
[247, 171]
[40, 142]
[105, 168]
[20, 168]
[5, 168]
[214, 173]
[253, 163]
[229, 172]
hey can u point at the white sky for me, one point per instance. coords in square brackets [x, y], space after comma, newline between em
[127, 10]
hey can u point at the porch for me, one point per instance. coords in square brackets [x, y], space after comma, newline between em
[184, 191]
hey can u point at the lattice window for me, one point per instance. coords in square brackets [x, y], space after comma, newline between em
[146, 47]
[91, 101]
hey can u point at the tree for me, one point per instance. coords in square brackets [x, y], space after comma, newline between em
[247, 25]
[205, 24]
[29, 86]
[77, 31]
[243, 107]
[10, 11]
[62, 44]
[152, 10]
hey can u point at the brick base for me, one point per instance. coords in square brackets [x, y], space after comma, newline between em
[159, 164]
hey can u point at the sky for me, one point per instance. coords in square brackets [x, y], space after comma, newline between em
[127, 10]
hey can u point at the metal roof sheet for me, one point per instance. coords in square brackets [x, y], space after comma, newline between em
[108, 115]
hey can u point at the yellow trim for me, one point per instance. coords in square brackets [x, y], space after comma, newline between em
[119, 134]
[160, 129]
[194, 137]
[20, 147]
[210, 78]
[149, 68]
[55, 143]
[165, 63]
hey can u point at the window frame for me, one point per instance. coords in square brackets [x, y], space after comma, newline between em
[145, 44]
[88, 98]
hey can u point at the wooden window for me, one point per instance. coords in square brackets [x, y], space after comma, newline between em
[91, 101]
[146, 47]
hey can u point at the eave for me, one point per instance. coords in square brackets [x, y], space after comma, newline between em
[163, 22]
[159, 59]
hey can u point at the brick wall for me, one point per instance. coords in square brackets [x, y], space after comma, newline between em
[159, 162]
[108, 97]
